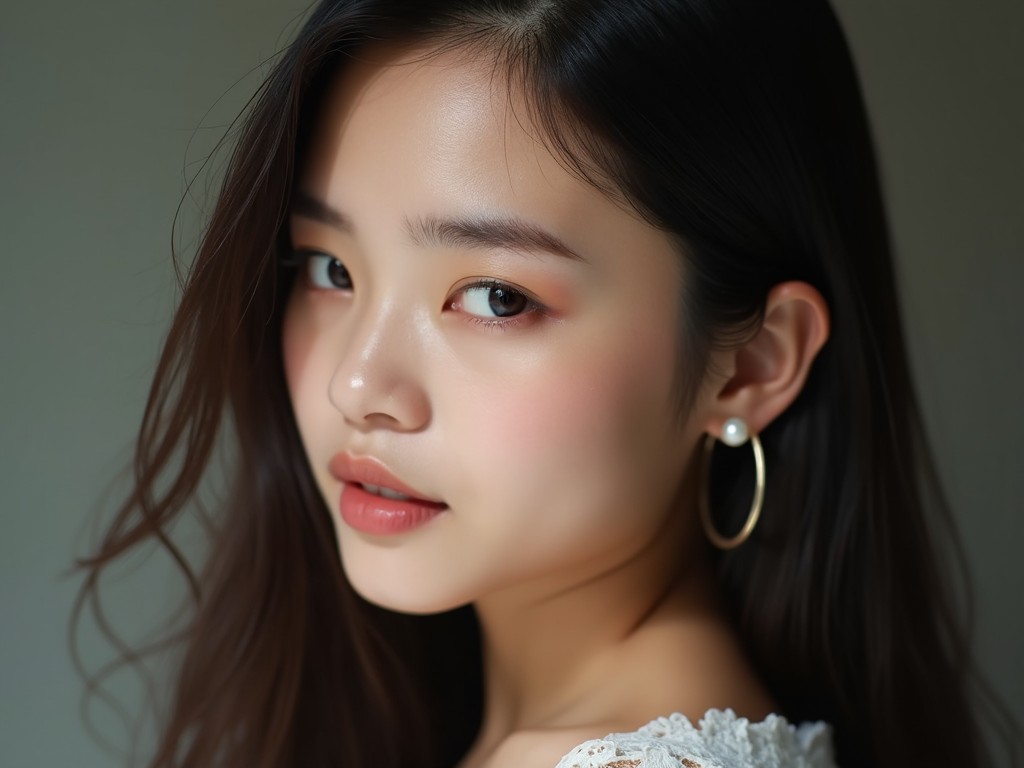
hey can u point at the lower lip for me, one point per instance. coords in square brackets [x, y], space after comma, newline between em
[380, 516]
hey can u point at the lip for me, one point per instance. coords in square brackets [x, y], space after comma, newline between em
[373, 514]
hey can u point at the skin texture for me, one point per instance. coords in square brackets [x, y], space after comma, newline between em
[571, 523]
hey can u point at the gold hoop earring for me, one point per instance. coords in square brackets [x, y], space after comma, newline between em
[734, 433]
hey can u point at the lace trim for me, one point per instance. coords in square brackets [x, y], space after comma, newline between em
[720, 740]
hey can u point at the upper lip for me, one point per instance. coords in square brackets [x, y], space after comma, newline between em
[367, 470]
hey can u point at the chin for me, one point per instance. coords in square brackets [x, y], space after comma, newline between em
[419, 597]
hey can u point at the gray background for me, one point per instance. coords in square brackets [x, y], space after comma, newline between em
[105, 112]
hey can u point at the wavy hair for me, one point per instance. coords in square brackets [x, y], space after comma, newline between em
[736, 126]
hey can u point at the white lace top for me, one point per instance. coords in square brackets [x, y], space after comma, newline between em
[720, 740]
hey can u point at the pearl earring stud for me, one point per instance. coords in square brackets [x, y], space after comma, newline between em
[735, 432]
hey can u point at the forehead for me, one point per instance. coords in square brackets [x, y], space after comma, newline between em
[443, 133]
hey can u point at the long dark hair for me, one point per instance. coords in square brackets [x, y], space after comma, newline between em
[737, 126]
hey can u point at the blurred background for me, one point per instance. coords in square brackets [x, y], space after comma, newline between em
[109, 106]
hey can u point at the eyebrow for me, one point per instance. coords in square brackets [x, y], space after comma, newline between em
[310, 208]
[491, 231]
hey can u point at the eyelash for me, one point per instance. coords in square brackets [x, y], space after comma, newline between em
[299, 259]
[533, 310]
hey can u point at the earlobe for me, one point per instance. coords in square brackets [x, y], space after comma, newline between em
[768, 371]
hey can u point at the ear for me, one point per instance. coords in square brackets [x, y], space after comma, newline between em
[763, 377]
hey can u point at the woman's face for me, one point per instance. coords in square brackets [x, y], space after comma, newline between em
[496, 334]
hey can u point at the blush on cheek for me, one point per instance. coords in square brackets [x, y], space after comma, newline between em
[574, 466]
[578, 423]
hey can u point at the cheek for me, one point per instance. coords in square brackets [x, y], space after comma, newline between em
[586, 414]
[567, 446]
[606, 405]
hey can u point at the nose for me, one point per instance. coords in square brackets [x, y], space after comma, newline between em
[377, 382]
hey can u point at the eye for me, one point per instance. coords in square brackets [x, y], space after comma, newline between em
[493, 301]
[325, 271]
[495, 304]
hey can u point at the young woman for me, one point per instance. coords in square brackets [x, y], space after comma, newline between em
[560, 346]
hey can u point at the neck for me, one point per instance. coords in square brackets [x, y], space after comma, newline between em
[551, 650]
